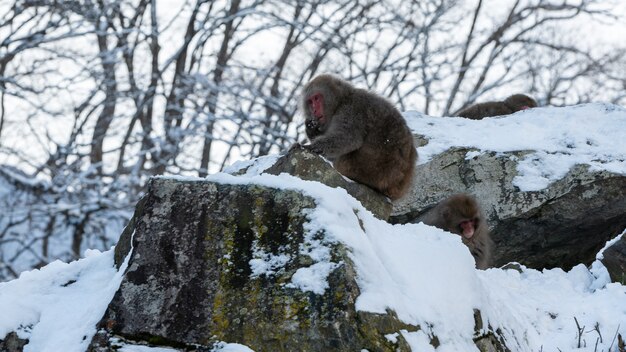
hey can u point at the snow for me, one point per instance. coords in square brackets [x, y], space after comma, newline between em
[266, 264]
[418, 341]
[313, 278]
[424, 274]
[255, 166]
[231, 347]
[556, 139]
[218, 347]
[137, 348]
[58, 306]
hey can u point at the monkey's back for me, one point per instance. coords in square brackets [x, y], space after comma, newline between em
[386, 159]
[481, 110]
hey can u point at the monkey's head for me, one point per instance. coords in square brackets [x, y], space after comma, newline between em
[462, 216]
[320, 99]
[519, 102]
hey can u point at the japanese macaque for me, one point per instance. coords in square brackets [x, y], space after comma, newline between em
[365, 137]
[461, 215]
[510, 105]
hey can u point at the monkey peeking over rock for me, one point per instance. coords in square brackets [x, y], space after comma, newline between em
[460, 214]
[510, 105]
[364, 135]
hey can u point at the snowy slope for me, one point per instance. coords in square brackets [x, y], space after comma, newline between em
[57, 307]
[424, 274]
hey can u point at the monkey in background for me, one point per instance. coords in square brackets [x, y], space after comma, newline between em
[460, 214]
[364, 135]
[510, 105]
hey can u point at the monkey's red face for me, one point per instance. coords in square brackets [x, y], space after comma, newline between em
[468, 227]
[316, 106]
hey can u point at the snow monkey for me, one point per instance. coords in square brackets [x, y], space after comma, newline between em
[510, 105]
[365, 136]
[461, 215]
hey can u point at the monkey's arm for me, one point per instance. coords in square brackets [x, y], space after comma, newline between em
[345, 135]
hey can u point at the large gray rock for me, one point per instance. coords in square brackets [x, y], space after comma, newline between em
[560, 226]
[190, 280]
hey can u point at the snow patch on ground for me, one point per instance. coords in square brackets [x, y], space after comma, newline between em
[556, 139]
[58, 306]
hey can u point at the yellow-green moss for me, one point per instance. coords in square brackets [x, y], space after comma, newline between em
[220, 315]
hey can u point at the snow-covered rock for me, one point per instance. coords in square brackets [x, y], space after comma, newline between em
[551, 181]
[249, 263]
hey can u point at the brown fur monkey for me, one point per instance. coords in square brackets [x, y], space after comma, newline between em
[510, 105]
[367, 138]
[460, 214]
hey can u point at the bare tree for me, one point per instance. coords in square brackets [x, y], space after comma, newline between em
[493, 58]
